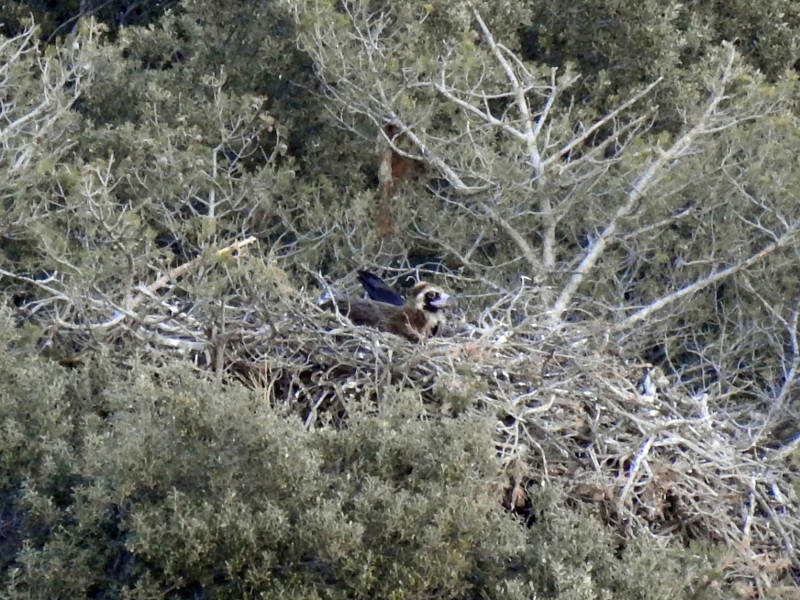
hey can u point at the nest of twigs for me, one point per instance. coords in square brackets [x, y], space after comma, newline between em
[612, 431]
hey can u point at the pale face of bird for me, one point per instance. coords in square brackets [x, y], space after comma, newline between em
[429, 297]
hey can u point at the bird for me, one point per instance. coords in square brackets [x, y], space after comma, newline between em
[415, 320]
[378, 290]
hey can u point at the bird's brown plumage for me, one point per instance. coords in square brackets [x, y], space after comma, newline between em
[416, 320]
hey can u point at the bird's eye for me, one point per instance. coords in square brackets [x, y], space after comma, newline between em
[431, 295]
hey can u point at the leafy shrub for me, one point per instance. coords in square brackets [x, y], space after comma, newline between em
[154, 481]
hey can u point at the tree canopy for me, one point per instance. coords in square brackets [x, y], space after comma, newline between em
[609, 189]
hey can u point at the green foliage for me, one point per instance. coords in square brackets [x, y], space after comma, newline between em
[174, 135]
[162, 480]
[577, 557]
[619, 45]
[157, 481]
[58, 18]
[141, 147]
[127, 153]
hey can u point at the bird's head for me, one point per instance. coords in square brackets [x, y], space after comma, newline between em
[429, 297]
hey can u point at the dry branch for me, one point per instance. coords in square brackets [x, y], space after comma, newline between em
[568, 412]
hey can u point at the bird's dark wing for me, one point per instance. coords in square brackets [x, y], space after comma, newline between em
[379, 290]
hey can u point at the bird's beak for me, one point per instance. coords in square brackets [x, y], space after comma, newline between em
[443, 300]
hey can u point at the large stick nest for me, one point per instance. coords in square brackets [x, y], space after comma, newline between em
[612, 431]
